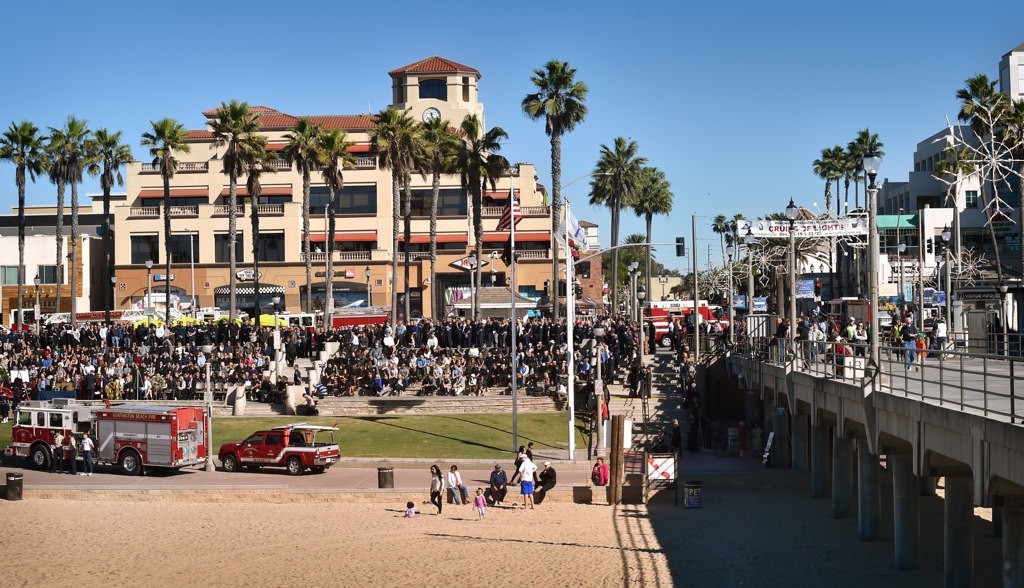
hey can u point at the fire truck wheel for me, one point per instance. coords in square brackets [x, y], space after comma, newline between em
[318, 469]
[130, 463]
[230, 463]
[665, 342]
[40, 456]
[295, 466]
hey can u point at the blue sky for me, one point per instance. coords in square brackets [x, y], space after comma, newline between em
[732, 100]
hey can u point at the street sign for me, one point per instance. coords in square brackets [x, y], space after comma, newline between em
[468, 263]
[160, 277]
[247, 275]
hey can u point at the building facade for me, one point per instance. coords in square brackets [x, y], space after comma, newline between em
[199, 211]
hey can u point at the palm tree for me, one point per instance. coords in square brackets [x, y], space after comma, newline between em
[479, 165]
[257, 162]
[236, 127]
[58, 176]
[76, 156]
[336, 157]
[618, 176]
[654, 197]
[981, 106]
[391, 137]
[720, 226]
[560, 100]
[303, 151]
[441, 144]
[23, 146]
[111, 155]
[828, 169]
[954, 165]
[166, 137]
[866, 142]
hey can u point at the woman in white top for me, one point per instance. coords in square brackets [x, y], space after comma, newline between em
[436, 487]
[457, 487]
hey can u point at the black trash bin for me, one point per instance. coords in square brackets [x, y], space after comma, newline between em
[15, 485]
[694, 491]
[385, 477]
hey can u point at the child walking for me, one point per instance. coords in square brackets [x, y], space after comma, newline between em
[480, 504]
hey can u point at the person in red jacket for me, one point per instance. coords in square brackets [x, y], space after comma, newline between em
[599, 475]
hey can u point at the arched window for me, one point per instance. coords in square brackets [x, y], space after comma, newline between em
[437, 89]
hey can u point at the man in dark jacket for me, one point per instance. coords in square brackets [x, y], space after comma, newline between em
[498, 486]
[547, 479]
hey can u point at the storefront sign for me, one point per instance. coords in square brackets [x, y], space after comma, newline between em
[246, 275]
[843, 227]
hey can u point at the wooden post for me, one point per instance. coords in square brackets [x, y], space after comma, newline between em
[618, 430]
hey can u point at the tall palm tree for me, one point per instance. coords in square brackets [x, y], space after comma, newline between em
[165, 138]
[23, 146]
[866, 142]
[257, 161]
[235, 127]
[58, 176]
[303, 151]
[478, 165]
[981, 106]
[618, 176]
[76, 143]
[828, 168]
[654, 197]
[111, 155]
[560, 99]
[336, 157]
[720, 227]
[392, 136]
[441, 145]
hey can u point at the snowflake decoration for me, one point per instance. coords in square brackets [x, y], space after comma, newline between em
[968, 268]
[990, 159]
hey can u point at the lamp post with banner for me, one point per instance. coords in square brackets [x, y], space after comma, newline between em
[732, 297]
[791, 214]
[871, 164]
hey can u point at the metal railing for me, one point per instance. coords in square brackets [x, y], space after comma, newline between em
[489, 211]
[980, 383]
[366, 162]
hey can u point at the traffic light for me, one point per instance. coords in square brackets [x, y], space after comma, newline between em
[930, 244]
[680, 246]
[585, 270]
[561, 288]
[817, 287]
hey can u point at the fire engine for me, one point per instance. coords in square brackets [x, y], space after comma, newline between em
[296, 447]
[663, 311]
[129, 436]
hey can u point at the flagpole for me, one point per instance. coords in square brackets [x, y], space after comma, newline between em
[570, 318]
[515, 322]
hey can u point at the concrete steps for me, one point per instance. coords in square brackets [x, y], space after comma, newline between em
[434, 405]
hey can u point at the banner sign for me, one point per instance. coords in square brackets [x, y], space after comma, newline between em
[803, 229]
[739, 301]
[805, 289]
[760, 304]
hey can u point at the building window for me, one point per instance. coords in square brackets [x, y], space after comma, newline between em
[271, 247]
[184, 249]
[971, 197]
[10, 275]
[465, 89]
[355, 199]
[145, 247]
[425, 247]
[450, 202]
[437, 89]
[221, 253]
[47, 274]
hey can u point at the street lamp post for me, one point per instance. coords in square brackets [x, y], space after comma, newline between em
[901, 248]
[494, 255]
[750, 239]
[641, 294]
[947, 237]
[633, 271]
[277, 338]
[1003, 289]
[871, 164]
[663, 279]
[35, 307]
[369, 291]
[113, 291]
[149, 286]
[791, 214]
[732, 311]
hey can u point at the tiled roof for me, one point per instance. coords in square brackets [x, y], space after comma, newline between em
[343, 121]
[434, 64]
[587, 224]
[277, 120]
[191, 135]
[260, 109]
[273, 119]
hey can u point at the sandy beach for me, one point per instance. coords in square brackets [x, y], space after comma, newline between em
[755, 529]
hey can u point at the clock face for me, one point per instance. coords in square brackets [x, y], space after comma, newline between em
[431, 114]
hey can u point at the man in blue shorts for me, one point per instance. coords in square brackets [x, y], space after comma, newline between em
[526, 471]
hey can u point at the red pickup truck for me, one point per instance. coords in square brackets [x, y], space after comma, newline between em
[297, 447]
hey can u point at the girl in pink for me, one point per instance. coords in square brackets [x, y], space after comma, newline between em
[480, 504]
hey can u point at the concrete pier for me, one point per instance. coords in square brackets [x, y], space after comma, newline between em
[842, 477]
[1013, 544]
[868, 493]
[801, 444]
[906, 529]
[958, 542]
[819, 461]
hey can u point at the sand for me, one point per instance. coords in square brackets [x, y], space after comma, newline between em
[754, 529]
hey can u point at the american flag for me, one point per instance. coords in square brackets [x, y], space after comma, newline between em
[512, 214]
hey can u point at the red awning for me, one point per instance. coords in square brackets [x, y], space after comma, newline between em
[499, 195]
[276, 146]
[521, 237]
[441, 238]
[267, 191]
[345, 237]
[176, 193]
[362, 148]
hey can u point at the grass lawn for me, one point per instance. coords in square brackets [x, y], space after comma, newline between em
[464, 436]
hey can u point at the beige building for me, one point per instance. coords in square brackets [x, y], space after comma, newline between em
[362, 257]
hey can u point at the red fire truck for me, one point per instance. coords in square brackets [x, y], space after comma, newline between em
[663, 311]
[129, 436]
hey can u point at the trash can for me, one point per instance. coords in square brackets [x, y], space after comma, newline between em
[694, 491]
[15, 483]
[385, 477]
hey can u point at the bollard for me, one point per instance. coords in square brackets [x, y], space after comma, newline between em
[385, 477]
[15, 485]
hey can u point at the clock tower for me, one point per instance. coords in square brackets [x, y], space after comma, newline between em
[436, 88]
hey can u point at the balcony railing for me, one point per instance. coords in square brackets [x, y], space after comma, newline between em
[489, 211]
[536, 211]
[183, 166]
[366, 162]
[184, 211]
[417, 255]
[532, 254]
[321, 256]
[280, 164]
[270, 209]
[222, 210]
[144, 212]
